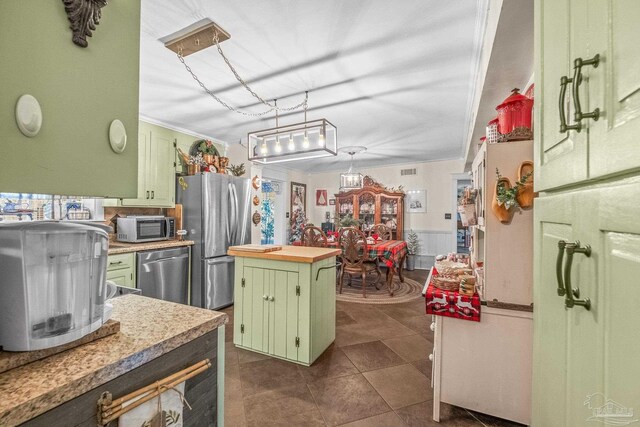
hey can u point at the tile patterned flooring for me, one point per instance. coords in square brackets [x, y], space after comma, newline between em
[375, 374]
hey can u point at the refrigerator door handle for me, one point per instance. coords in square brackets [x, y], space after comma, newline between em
[235, 224]
[229, 217]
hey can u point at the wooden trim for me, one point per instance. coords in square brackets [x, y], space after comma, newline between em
[304, 254]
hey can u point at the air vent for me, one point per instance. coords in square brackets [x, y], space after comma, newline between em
[404, 172]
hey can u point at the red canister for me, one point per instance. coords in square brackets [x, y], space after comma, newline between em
[514, 117]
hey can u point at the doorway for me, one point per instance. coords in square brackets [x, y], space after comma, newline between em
[272, 211]
[461, 234]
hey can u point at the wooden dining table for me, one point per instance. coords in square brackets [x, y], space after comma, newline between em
[391, 252]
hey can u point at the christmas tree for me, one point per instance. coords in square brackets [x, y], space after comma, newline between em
[297, 226]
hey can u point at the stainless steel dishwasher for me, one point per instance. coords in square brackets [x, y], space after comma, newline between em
[164, 274]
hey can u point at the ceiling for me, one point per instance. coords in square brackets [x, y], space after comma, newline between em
[392, 76]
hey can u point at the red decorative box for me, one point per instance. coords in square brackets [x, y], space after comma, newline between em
[452, 304]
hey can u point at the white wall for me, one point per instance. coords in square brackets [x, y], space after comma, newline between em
[434, 177]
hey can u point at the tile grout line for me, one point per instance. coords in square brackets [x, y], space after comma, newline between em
[474, 417]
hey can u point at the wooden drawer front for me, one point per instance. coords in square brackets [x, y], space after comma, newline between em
[120, 261]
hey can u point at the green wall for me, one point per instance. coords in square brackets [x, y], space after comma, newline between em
[80, 90]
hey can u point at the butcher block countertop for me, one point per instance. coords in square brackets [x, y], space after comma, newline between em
[290, 253]
[149, 328]
[124, 248]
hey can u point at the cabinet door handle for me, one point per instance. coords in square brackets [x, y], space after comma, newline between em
[572, 296]
[115, 262]
[147, 194]
[153, 194]
[559, 279]
[578, 63]
[564, 81]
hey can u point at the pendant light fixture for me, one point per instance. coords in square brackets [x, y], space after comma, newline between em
[310, 139]
[351, 180]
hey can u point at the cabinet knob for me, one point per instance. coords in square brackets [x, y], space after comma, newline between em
[264, 297]
[432, 326]
[431, 357]
[271, 298]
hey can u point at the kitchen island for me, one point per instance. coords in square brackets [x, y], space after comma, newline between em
[156, 339]
[285, 301]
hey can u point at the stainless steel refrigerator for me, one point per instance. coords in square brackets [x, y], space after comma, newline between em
[216, 213]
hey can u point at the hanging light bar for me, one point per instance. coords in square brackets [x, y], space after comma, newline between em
[307, 140]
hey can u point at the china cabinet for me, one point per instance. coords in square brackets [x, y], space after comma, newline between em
[586, 232]
[372, 204]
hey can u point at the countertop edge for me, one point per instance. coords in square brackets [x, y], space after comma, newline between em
[149, 246]
[276, 256]
[68, 391]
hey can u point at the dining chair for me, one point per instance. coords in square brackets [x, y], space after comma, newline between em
[382, 231]
[314, 236]
[355, 258]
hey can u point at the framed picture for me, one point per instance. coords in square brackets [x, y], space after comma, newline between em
[332, 202]
[321, 197]
[298, 198]
[416, 201]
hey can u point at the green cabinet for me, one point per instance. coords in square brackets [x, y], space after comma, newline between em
[566, 31]
[585, 358]
[282, 310]
[80, 90]
[121, 269]
[156, 168]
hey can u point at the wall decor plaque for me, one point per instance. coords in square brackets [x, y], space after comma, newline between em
[256, 218]
[83, 15]
[256, 200]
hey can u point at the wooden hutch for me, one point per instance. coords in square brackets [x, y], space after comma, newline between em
[373, 204]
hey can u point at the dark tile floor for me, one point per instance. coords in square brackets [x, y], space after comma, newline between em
[375, 374]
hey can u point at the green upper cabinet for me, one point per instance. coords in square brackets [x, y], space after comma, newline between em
[613, 87]
[80, 90]
[156, 168]
[561, 157]
[569, 31]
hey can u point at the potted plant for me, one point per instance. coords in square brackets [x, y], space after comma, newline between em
[349, 221]
[505, 196]
[413, 247]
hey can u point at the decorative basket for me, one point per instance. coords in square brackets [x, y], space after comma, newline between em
[446, 283]
[449, 268]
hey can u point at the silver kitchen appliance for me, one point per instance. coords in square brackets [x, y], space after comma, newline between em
[216, 214]
[145, 228]
[164, 274]
[52, 286]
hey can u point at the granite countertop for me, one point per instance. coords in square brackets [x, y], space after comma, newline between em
[149, 328]
[303, 254]
[124, 248]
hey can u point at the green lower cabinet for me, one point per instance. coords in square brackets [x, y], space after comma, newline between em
[282, 310]
[121, 269]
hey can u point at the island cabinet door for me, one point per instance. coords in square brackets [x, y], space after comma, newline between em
[284, 304]
[252, 290]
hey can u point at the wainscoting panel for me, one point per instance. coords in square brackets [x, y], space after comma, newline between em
[432, 243]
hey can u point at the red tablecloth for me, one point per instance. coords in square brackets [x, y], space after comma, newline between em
[390, 252]
[452, 304]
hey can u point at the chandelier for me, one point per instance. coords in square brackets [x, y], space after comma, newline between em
[351, 180]
[307, 140]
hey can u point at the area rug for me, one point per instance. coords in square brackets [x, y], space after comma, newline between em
[410, 290]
